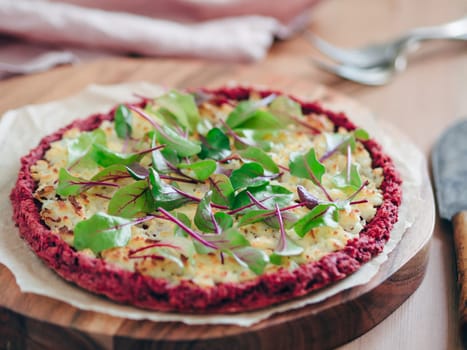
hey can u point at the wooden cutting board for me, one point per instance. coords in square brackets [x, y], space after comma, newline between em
[32, 321]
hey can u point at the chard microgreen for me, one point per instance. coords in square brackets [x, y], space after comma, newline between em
[182, 107]
[285, 246]
[248, 115]
[249, 175]
[102, 231]
[69, 185]
[106, 157]
[131, 200]
[258, 155]
[224, 220]
[197, 236]
[222, 190]
[164, 195]
[308, 167]
[79, 147]
[324, 214]
[348, 180]
[171, 249]
[137, 171]
[204, 217]
[285, 108]
[200, 170]
[267, 195]
[307, 198]
[250, 257]
[180, 144]
[123, 120]
[339, 142]
[112, 173]
[216, 145]
[170, 138]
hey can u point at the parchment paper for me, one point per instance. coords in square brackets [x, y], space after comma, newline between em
[21, 130]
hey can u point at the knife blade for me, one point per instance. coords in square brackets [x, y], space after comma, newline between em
[449, 162]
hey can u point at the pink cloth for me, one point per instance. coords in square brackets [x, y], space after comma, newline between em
[241, 30]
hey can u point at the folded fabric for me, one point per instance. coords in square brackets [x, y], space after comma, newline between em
[242, 38]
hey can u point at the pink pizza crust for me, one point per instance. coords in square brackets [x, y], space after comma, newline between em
[95, 275]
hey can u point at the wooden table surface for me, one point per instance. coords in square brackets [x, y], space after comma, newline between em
[422, 102]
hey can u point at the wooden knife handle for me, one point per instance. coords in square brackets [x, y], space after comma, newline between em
[460, 242]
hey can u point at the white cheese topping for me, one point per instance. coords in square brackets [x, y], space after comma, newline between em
[61, 214]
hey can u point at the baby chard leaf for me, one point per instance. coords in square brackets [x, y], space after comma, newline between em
[164, 195]
[106, 157]
[324, 214]
[204, 217]
[123, 119]
[69, 185]
[216, 145]
[285, 108]
[137, 171]
[252, 258]
[80, 147]
[200, 170]
[112, 173]
[248, 175]
[131, 200]
[222, 190]
[181, 106]
[342, 181]
[307, 166]
[258, 155]
[173, 140]
[248, 115]
[101, 232]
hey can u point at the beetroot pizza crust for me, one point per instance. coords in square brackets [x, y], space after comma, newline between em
[133, 288]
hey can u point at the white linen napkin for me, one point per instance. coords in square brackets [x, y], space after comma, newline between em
[194, 28]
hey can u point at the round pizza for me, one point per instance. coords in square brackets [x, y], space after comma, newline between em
[208, 200]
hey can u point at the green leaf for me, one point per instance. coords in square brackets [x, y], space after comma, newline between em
[174, 141]
[261, 157]
[216, 145]
[222, 190]
[101, 232]
[248, 175]
[200, 170]
[69, 185]
[247, 115]
[252, 258]
[160, 160]
[204, 217]
[361, 134]
[224, 220]
[164, 195]
[179, 232]
[253, 216]
[285, 108]
[123, 119]
[181, 106]
[306, 166]
[137, 171]
[355, 181]
[268, 195]
[106, 157]
[80, 147]
[131, 200]
[112, 173]
[291, 248]
[321, 215]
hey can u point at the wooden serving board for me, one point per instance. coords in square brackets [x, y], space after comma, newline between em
[32, 321]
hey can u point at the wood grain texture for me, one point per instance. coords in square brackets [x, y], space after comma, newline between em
[422, 101]
[459, 222]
